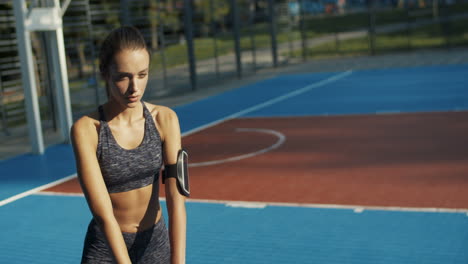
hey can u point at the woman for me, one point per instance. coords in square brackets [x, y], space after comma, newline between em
[119, 151]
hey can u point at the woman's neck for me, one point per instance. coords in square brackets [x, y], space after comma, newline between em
[122, 114]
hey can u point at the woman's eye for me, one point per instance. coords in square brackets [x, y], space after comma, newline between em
[120, 78]
[143, 75]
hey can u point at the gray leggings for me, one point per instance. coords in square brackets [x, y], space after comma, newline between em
[148, 246]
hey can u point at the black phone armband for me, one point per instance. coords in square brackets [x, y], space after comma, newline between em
[179, 170]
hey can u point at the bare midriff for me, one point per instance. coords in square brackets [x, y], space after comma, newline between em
[136, 210]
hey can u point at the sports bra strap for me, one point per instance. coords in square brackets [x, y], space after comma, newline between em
[146, 112]
[102, 117]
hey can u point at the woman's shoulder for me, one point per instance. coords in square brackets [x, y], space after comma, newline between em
[166, 119]
[162, 114]
[86, 124]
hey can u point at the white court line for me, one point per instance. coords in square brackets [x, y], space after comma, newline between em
[37, 189]
[261, 205]
[271, 101]
[240, 113]
[279, 142]
[356, 208]
[49, 193]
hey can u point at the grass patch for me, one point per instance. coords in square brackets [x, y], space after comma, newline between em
[431, 36]
[204, 48]
[176, 55]
[358, 46]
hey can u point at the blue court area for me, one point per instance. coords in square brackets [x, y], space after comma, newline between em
[26, 172]
[50, 229]
[38, 231]
[418, 89]
[381, 91]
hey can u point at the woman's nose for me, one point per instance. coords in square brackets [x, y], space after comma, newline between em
[133, 85]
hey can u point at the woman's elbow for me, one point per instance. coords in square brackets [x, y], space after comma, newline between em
[103, 217]
[173, 193]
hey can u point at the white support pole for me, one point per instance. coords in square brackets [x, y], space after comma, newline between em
[62, 100]
[64, 7]
[49, 20]
[28, 78]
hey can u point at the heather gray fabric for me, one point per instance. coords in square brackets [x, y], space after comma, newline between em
[128, 169]
[125, 170]
[145, 247]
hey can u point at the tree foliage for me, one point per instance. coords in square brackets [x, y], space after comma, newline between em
[215, 10]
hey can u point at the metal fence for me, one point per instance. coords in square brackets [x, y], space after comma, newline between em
[200, 42]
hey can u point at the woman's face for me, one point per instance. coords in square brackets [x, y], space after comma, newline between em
[128, 76]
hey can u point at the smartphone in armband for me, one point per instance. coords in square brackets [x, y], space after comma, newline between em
[179, 171]
[182, 172]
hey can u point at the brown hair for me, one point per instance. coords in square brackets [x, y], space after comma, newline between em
[122, 38]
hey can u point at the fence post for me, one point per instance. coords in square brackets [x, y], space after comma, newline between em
[303, 30]
[336, 33]
[291, 34]
[215, 42]
[2, 106]
[370, 8]
[408, 26]
[188, 30]
[274, 49]
[162, 46]
[235, 22]
[445, 20]
[252, 31]
[95, 81]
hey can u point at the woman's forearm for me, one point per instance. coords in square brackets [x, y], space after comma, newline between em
[116, 242]
[177, 230]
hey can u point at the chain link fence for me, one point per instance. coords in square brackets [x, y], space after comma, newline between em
[196, 43]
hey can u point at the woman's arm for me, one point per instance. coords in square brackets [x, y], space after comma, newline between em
[84, 140]
[175, 201]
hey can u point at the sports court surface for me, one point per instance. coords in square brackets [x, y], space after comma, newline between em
[363, 166]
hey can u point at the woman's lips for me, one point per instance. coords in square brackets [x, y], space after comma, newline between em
[133, 98]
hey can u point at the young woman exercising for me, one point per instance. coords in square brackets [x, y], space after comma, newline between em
[119, 151]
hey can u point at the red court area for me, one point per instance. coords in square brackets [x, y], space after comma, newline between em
[405, 160]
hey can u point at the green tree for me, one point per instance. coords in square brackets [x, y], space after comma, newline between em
[166, 13]
[221, 8]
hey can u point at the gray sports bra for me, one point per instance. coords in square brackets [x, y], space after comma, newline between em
[127, 169]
